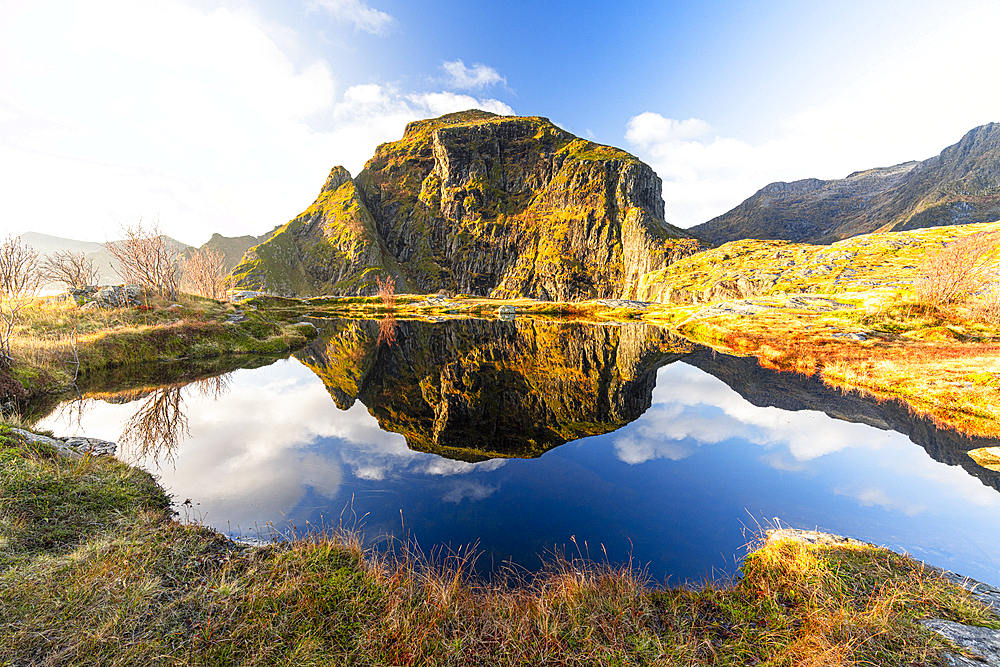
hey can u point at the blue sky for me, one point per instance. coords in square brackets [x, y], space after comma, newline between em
[225, 116]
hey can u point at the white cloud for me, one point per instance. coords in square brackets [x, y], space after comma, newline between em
[471, 78]
[469, 490]
[437, 104]
[909, 107]
[251, 462]
[691, 408]
[161, 110]
[869, 496]
[357, 12]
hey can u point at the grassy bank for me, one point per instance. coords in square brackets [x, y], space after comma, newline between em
[57, 342]
[93, 571]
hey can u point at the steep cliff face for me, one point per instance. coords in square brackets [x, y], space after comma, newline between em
[959, 186]
[475, 389]
[479, 204]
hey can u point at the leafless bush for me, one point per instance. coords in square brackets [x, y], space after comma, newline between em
[387, 291]
[958, 270]
[205, 274]
[145, 259]
[19, 283]
[73, 269]
[987, 305]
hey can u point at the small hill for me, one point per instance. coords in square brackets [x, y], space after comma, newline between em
[959, 186]
[479, 204]
[748, 268]
[232, 249]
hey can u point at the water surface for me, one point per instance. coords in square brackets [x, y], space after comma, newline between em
[524, 437]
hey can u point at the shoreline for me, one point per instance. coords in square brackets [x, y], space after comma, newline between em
[126, 566]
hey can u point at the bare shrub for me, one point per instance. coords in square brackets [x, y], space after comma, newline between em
[145, 259]
[19, 283]
[205, 274]
[958, 270]
[387, 291]
[73, 269]
[987, 305]
[157, 427]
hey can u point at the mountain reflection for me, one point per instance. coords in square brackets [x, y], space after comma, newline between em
[472, 390]
[477, 389]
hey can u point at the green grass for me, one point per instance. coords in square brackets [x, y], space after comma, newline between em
[53, 343]
[93, 571]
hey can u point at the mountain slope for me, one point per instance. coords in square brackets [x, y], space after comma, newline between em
[479, 204]
[231, 248]
[959, 186]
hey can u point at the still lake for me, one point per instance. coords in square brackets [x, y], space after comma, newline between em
[523, 436]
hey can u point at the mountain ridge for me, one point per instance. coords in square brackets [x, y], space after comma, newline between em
[961, 185]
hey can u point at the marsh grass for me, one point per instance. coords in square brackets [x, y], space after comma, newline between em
[55, 342]
[94, 572]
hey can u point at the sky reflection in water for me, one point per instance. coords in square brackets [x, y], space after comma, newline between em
[673, 490]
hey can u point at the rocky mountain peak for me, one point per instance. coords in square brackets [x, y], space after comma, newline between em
[480, 204]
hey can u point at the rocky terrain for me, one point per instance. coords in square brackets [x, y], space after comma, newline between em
[959, 186]
[479, 204]
[751, 268]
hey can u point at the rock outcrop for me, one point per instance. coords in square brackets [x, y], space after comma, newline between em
[479, 204]
[959, 186]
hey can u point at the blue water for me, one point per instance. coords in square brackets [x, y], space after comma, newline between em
[680, 490]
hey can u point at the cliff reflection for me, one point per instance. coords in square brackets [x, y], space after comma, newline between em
[478, 389]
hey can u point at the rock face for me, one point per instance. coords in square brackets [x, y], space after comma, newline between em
[479, 204]
[477, 389]
[959, 186]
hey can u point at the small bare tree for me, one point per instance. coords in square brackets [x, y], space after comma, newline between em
[19, 283]
[205, 274]
[386, 291]
[73, 269]
[145, 259]
[958, 270]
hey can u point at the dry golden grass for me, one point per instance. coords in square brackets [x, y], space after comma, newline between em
[943, 367]
[114, 581]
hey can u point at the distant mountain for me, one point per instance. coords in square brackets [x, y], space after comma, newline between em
[479, 204]
[959, 186]
[232, 249]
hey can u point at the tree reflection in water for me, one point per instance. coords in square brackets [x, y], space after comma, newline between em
[387, 330]
[160, 423]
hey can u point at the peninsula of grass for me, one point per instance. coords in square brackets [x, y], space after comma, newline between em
[56, 343]
[95, 571]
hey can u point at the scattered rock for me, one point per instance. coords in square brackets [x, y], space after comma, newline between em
[74, 447]
[810, 537]
[237, 296]
[854, 335]
[734, 308]
[236, 317]
[984, 642]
